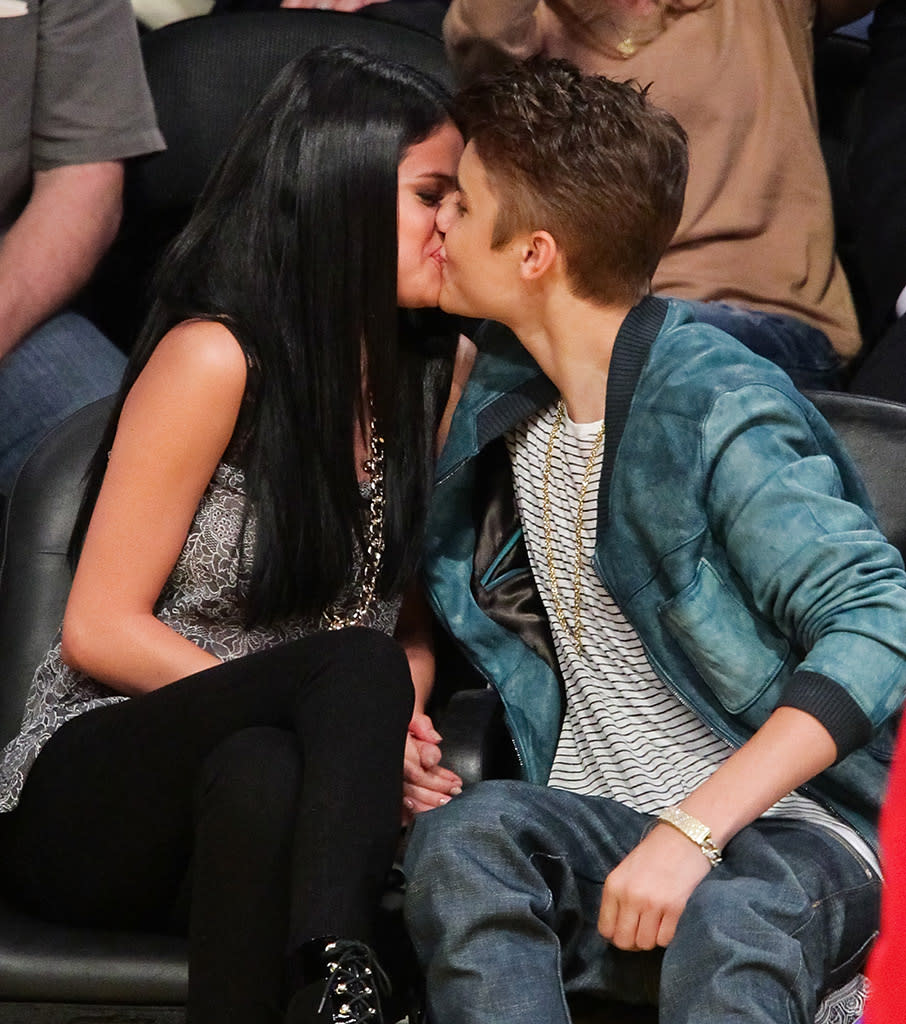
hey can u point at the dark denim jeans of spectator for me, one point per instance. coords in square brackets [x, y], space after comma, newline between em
[797, 347]
[503, 898]
[63, 365]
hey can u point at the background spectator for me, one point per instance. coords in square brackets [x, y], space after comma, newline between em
[879, 194]
[75, 104]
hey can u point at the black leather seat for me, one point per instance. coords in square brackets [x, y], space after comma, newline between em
[873, 430]
[841, 65]
[50, 972]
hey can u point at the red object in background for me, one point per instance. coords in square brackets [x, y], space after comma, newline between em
[887, 966]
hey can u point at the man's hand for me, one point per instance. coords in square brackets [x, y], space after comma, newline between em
[425, 784]
[647, 892]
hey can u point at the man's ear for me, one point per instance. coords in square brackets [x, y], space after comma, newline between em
[539, 252]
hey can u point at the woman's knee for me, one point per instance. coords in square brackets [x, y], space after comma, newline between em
[364, 668]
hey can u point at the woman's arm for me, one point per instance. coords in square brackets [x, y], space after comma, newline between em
[425, 783]
[413, 631]
[175, 425]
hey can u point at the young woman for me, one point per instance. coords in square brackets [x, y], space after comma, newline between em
[252, 520]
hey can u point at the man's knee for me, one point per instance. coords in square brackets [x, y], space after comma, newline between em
[449, 839]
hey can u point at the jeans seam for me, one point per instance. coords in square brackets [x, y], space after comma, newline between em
[547, 856]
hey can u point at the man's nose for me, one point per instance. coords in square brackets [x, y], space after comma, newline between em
[445, 213]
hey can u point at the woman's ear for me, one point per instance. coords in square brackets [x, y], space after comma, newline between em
[539, 253]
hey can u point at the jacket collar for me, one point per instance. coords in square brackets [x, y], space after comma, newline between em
[507, 386]
[630, 353]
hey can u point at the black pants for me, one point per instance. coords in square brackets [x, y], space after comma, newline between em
[268, 789]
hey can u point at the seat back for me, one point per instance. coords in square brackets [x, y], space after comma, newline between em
[873, 431]
[35, 576]
[205, 73]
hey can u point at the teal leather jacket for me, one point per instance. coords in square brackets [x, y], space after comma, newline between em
[733, 531]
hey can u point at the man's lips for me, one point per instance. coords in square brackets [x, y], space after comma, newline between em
[439, 256]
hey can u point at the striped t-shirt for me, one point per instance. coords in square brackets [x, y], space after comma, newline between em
[625, 734]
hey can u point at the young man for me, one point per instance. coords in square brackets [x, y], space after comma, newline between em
[711, 704]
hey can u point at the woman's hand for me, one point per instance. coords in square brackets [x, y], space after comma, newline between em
[425, 783]
[647, 891]
[330, 5]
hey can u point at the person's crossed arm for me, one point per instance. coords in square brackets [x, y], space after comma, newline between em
[51, 249]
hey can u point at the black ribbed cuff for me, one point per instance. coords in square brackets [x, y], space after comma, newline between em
[825, 699]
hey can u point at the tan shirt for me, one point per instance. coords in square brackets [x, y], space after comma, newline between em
[757, 226]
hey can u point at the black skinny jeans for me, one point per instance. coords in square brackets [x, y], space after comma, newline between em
[267, 788]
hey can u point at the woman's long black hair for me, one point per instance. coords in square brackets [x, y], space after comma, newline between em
[293, 245]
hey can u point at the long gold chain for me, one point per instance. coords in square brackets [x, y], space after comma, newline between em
[373, 552]
[574, 631]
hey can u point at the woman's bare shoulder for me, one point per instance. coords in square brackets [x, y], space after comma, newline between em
[206, 349]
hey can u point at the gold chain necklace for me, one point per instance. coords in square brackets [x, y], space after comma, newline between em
[575, 631]
[373, 553]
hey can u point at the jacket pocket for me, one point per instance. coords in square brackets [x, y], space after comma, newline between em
[732, 647]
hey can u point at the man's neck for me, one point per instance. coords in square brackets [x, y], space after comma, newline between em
[572, 341]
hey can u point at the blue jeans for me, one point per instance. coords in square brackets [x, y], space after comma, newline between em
[797, 347]
[503, 897]
[63, 365]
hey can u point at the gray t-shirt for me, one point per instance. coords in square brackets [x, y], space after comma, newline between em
[73, 91]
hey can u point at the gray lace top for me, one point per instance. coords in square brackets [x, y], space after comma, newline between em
[203, 600]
